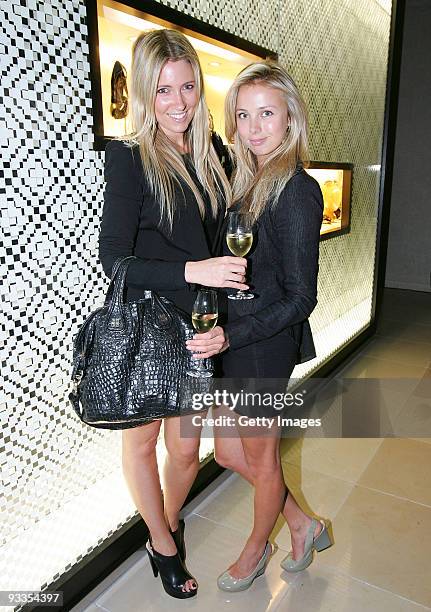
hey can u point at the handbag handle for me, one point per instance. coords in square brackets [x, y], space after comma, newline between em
[115, 270]
[114, 297]
[115, 320]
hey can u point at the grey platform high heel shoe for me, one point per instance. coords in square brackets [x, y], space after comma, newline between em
[318, 543]
[226, 582]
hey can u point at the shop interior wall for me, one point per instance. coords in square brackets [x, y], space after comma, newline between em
[336, 50]
[408, 263]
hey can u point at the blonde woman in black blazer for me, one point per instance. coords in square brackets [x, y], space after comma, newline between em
[165, 200]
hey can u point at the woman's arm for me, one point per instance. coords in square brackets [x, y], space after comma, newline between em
[120, 223]
[297, 219]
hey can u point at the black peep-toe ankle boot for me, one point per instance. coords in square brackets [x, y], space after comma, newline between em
[173, 573]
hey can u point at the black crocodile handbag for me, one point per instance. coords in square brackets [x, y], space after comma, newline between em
[130, 360]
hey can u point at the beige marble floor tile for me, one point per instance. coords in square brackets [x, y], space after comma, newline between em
[353, 408]
[288, 447]
[394, 349]
[396, 312]
[367, 366]
[402, 377]
[87, 603]
[91, 608]
[404, 330]
[407, 413]
[406, 298]
[384, 541]
[369, 408]
[425, 440]
[414, 306]
[401, 467]
[344, 458]
[419, 314]
[414, 419]
[233, 506]
[319, 588]
[212, 491]
[211, 548]
[318, 495]
[423, 388]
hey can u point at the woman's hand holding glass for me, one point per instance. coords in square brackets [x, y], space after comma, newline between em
[204, 319]
[217, 272]
[208, 344]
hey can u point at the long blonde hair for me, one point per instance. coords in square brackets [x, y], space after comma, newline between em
[163, 163]
[254, 187]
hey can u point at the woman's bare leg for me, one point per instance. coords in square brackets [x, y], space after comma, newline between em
[181, 464]
[142, 476]
[229, 452]
[263, 458]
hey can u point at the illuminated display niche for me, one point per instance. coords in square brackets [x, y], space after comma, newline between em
[335, 180]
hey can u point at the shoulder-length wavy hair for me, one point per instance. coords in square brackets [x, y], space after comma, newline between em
[163, 163]
[255, 187]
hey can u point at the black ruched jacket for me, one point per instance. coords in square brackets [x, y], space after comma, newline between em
[282, 270]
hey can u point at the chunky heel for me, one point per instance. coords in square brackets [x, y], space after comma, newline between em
[153, 565]
[323, 540]
[319, 543]
[173, 573]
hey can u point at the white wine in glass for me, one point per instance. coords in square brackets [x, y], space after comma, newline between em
[204, 319]
[239, 238]
[239, 244]
[204, 322]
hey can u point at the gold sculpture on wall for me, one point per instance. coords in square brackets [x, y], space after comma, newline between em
[119, 93]
[332, 198]
[335, 180]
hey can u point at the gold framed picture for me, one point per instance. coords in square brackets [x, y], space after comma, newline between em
[335, 180]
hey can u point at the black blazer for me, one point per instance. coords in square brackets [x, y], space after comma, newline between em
[131, 226]
[282, 270]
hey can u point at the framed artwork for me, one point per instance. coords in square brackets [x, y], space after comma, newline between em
[335, 180]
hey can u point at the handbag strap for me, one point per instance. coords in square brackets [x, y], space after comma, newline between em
[115, 319]
[115, 270]
[115, 295]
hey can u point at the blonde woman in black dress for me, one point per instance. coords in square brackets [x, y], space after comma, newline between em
[268, 335]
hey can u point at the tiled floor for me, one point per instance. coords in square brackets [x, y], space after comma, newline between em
[376, 492]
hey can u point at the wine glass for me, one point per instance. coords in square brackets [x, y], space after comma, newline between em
[204, 318]
[239, 238]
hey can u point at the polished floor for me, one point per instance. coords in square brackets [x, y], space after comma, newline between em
[376, 492]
